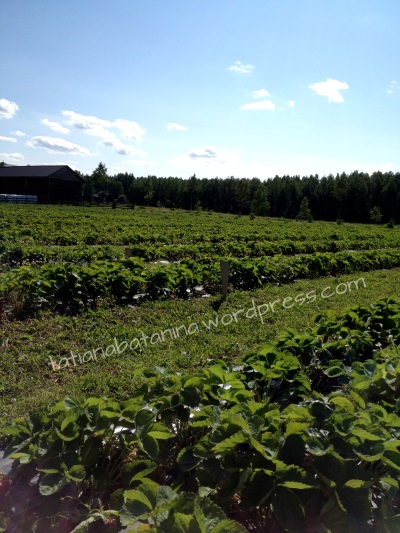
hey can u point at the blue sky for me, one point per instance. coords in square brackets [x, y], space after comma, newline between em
[217, 88]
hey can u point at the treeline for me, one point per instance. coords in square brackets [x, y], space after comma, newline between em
[354, 197]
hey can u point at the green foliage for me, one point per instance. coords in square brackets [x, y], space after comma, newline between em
[375, 215]
[304, 212]
[260, 205]
[65, 284]
[303, 435]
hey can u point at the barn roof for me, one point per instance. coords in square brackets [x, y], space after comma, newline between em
[36, 171]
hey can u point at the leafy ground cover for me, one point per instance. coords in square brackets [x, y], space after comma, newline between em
[64, 285]
[27, 225]
[272, 410]
[302, 435]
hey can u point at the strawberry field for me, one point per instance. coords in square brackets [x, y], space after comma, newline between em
[289, 425]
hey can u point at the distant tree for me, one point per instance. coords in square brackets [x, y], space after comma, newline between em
[102, 195]
[304, 212]
[149, 195]
[88, 190]
[2, 164]
[132, 194]
[260, 205]
[375, 215]
[114, 188]
[242, 194]
[192, 189]
[100, 177]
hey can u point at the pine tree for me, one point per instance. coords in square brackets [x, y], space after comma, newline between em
[304, 212]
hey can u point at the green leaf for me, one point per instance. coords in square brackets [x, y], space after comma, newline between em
[227, 444]
[144, 419]
[84, 526]
[15, 429]
[207, 515]
[135, 471]
[51, 483]
[293, 450]
[392, 458]
[183, 523]
[69, 403]
[296, 485]
[393, 482]
[287, 509]
[259, 489]
[295, 427]
[357, 503]
[355, 483]
[160, 435]
[150, 446]
[342, 402]
[187, 460]
[24, 458]
[136, 505]
[76, 473]
[70, 432]
[363, 434]
[218, 371]
[67, 420]
[228, 526]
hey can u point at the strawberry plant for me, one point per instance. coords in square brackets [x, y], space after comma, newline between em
[303, 435]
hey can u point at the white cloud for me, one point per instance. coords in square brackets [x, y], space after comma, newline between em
[209, 154]
[177, 127]
[118, 146]
[330, 88]
[141, 153]
[208, 159]
[91, 125]
[19, 133]
[14, 156]
[7, 108]
[101, 128]
[129, 129]
[394, 87]
[8, 139]
[261, 93]
[261, 104]
[291, 103]
[54, 144]
[55, 126]
[203, 153]
[240, 68]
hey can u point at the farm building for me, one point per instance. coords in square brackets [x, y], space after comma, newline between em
[52, 184]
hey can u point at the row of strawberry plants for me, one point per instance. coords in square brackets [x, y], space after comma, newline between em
[62, 225]
[256, 248]
[75, 285]
[17, 255]
[14, 255]
[301, 436]
[200, 234]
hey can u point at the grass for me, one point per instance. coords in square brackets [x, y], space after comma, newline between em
[27, 379]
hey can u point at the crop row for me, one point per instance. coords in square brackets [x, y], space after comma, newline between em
[62, 225]
[302, 436]
[82, 285]
[14, 255]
